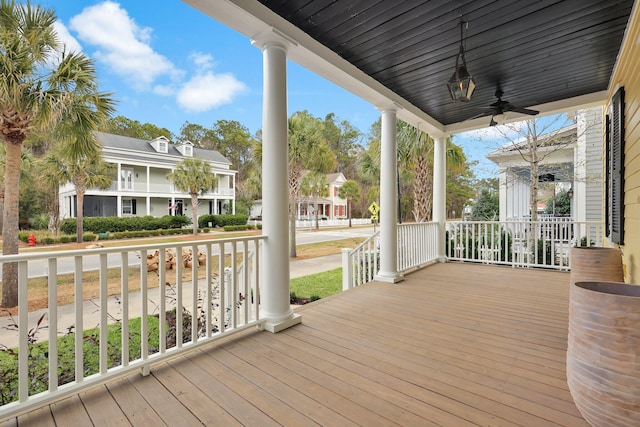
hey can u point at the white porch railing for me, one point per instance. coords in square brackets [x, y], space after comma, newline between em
[544, 243]
[311, 223]
[207, 308]
[417, 246]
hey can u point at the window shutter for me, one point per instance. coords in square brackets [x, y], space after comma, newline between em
[607, 175]
[617, 168]
[133, 206]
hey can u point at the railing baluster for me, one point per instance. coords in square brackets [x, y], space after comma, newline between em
[79, 326]
[124, 301]
[222, 279]
[209, 292]
[195, 290]
[179, 307]
[103, 346]
[144, 321]
[162, 296]
[52, 283]
[23, 330]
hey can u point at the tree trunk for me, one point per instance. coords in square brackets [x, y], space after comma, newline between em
[194, 213]
[422, 189]
[315, 211]
[80, 217]
[10, 223]
[54, 214]
[1, 204]
[292, 229]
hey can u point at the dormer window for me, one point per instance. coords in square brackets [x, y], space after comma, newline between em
[185, 148]
[160, 144]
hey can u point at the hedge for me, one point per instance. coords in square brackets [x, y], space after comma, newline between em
[222, 220]
[113, 224]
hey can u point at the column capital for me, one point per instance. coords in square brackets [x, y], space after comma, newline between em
[270, 37]
[388, 106]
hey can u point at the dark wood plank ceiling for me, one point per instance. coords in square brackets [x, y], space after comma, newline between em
[536, 51]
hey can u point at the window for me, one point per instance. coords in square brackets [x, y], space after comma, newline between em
[162, 146]
[615, 169]
[188, 151]
[128, 206]
[126, 179]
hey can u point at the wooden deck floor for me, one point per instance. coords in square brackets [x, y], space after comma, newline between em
[452, 345]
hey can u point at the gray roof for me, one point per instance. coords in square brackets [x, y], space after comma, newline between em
[109, 140]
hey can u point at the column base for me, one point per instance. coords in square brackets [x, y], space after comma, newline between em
[388, 277]
[442, 259]
[277, 325]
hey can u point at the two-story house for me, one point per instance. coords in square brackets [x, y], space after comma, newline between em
[141, 184]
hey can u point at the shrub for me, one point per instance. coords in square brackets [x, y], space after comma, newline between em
[41, 222]
[66, 239]
[89, 237]
[236, 227]
[48, 241]
[114, 224]
[24, 236]
[222, 220]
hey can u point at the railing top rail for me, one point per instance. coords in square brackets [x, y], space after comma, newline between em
[120, 249]
[368, 239]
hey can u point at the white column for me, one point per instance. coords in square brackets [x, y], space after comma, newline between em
[233, 199]
[274, 293]
[388, 200]
[440, 192]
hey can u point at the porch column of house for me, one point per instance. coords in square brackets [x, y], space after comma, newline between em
[440, 192]
[388, 198]
[275, 308]
[148, 191]
[233, 199]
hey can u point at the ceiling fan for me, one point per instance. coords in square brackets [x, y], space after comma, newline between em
[498, 109]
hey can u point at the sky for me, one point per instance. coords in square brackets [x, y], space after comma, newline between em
[170, 64]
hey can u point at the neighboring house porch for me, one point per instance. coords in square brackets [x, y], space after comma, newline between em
[573, 163]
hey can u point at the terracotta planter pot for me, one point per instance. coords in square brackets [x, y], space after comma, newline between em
[595, 264]
[603, 357]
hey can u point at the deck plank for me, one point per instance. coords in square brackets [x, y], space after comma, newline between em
[453, 344]
[102, 410]
[132, 403]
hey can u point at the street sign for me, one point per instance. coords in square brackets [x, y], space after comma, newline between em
[374, 209]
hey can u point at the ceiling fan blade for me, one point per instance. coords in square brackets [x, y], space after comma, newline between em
[523, 110]
[484, 114]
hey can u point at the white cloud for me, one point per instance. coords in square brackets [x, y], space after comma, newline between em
[70, 42]
[208, 90]
[121, 44]
[203, 61]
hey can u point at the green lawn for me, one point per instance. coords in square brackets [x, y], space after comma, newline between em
[318, 285]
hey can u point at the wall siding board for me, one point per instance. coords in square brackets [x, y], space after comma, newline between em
[626, 74]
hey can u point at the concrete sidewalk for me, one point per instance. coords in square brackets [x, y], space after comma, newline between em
[305, 267]
[91, 318]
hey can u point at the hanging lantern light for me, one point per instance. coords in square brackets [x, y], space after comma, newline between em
[461, 84]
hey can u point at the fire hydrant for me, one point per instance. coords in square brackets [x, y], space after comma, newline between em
[32, 239]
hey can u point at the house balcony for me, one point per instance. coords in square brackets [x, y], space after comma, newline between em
[453, 344]
[159, 189]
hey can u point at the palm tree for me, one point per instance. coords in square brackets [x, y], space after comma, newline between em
[350, 190]
[41, 84]
[316, 185]
[193, 176]
[307, 151]
[59, 167]
[415, 152]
